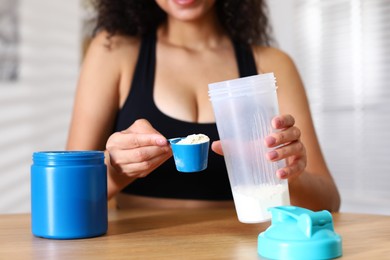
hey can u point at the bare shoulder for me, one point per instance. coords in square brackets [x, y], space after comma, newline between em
[270, 59]
[114, 42]
[118, 49]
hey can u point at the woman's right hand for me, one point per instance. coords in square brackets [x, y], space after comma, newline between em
[138, 150]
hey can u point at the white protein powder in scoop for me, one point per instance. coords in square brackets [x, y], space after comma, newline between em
[194, 139]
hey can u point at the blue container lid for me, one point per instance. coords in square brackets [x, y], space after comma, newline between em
[68, 158]
[298, 233]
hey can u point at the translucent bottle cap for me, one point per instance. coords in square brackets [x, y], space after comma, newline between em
[298, 233]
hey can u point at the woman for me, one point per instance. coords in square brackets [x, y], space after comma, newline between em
[145, 79]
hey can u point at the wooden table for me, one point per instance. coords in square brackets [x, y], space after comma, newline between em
[182, 234]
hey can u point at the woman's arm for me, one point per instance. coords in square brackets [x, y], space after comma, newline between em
[313, 186]
[102, 89]
[97, 99]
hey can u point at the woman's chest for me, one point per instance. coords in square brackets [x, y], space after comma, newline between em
[181, 83]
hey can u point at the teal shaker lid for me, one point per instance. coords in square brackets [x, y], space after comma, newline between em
[299, 233]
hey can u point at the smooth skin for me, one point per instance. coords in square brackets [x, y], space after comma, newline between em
[192, 51]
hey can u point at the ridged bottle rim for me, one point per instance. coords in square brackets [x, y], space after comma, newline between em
[242, 86]
[57, 158]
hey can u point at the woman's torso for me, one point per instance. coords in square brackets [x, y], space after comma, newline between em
[169, 88]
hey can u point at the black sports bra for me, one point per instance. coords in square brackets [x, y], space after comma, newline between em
[165, 181]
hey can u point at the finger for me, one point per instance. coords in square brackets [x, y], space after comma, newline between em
[216, 146]
[292, 170]
[142, 169]
[293, 149]
[289, 135]
[147, 153]
[283, 121]
[130, 141]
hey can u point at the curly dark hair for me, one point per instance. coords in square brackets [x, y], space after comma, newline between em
[244, 20]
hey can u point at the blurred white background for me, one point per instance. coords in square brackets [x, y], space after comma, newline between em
[341, 47]
[35, 107]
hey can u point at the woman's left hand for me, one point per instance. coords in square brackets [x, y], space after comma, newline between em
[287, 146]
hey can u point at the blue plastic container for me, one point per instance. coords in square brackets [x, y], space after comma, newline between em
[68, 194]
